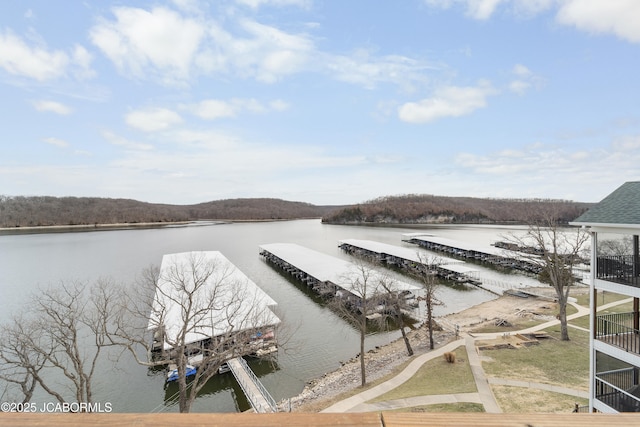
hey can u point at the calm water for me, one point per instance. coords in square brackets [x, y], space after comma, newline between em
[320, 340]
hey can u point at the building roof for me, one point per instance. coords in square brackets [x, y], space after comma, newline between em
[622, 207]
[228, 299]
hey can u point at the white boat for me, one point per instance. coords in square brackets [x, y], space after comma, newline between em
[173, 374]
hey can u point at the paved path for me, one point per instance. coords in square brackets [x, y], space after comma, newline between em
[350, 403]
[484, 395]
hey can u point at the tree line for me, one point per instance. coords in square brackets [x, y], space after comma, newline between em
[22, 211]
[429, 209]
[34, 211]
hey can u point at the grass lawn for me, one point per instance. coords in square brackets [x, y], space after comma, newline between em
[552, 361]
[436, 377]
[527, 400]
[603, 298]
[444, 407]
[583, 321]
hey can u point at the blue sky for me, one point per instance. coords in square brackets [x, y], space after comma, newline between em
[327, 102]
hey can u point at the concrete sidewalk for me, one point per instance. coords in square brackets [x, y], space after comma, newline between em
[484, 395]
[350, 403]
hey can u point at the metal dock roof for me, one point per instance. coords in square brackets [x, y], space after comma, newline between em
[445, 263]
[410, 254]
[326, 268]
[466, 246]
[234, 292]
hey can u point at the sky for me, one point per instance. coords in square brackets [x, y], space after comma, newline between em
[325, 102]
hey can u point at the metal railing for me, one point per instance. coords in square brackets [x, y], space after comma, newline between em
[246, 388]
[617, 329]
[616, 395]
[619, 268]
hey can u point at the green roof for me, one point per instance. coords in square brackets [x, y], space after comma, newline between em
[620, 207]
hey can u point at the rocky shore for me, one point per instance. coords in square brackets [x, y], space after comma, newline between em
[380, 362]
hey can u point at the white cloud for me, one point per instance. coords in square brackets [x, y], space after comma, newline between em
[142, 43]
[153, 119]
[211, 109]
[56, 142]
[545, 165]
[477, 9]
[279, 3]
[52, 106]
[38, 63]
[268, 53]
[82, 58]
[619, 17]
[124, 142]
[159, 40]
[525, 79]
[367, 70]
[450, 101]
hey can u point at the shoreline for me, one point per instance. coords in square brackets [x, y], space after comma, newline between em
[42, 229]
[320, 392]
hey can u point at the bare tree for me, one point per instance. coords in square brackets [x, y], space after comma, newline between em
[198, 306]
[58, 341]
[425, 273]
[356, 303]
[558, 250]
[369, 292]
[396, 304]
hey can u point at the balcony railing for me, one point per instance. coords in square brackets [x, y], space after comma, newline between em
[619, 268]
[617, 329]
[617, 389]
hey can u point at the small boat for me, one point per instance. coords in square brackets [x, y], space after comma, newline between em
[173, 374]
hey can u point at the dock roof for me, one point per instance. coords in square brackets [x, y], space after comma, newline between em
[466, 246]
[227, 300]
[327, 268]
[410, 254]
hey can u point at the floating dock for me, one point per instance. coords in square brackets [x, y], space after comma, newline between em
[325, 274]
[410, 259]
[484, 253]
[236, 295]
[223, 308]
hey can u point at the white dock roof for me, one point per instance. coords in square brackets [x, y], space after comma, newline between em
[459, 244]
[327, 268]
[228, 300]
[410, 254]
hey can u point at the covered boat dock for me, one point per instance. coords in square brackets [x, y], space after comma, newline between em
[326, 274]
[411, 260]
[484, 253]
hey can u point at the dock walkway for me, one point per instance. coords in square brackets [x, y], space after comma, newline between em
[257, 395]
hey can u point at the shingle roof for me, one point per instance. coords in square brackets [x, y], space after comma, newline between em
[620, 207]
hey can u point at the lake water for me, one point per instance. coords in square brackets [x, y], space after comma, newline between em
[320, 340]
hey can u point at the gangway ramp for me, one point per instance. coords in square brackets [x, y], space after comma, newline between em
[257, 395]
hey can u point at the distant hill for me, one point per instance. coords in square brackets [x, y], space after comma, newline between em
[429, 209]
[46, 211]
[408, 209]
